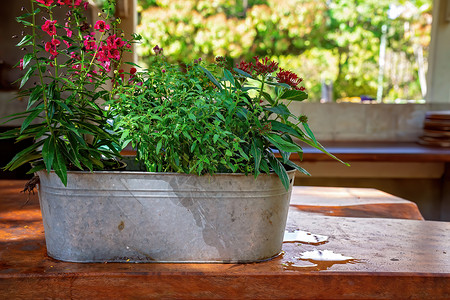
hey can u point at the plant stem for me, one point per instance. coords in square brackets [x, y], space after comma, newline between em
[41, 76]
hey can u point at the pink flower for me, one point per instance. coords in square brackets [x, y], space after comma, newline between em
[21, 64]
[49, 27]
[67, 28]
[67, 43]
[89, 42]
[74, 55]
[101, 26]
[51, 47]
[113, 54]
[45, 2]
[114, 42]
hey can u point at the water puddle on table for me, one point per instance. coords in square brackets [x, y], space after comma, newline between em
[304, 237]
[318, 260]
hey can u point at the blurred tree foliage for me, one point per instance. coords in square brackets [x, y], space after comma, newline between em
[322, 40]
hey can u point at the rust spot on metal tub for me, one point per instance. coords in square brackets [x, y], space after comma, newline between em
[121, 226]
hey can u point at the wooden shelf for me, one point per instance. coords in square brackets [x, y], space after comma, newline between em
[377, 152]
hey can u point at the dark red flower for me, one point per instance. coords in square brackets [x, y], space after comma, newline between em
[246, 67]
[51, 47]
[157, 50]
[121, 75]
[49, 27]
[264, 66]
[290, 78]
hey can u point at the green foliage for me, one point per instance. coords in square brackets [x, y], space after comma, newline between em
[345, 32]
[198, 118]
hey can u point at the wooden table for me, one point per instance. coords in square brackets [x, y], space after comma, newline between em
[393, 258]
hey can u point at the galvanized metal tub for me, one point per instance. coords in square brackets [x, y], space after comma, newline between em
[123, 216]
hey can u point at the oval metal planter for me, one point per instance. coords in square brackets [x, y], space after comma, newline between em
[123, 216]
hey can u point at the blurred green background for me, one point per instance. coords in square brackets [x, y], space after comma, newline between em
[360, 47]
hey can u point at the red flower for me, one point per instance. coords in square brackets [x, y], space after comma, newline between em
[290, 78]
[133, 71]
[21, 64]
[46, 2]
[121, 75]
[265, 66]
[101, 26]
[49, 27]
[245, 66]
[51, 47]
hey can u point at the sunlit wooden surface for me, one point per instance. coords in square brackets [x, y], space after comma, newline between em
[394, 256]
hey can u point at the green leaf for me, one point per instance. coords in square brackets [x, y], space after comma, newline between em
[279, 169]
[26, 40]
[48, 153]
[27, 76]
[284, 128]
[24, 156]
[281, 110]
[285, 155]
[309, 132]
[212, 78]
[26, 59]
[294, 95]
[282, 144]
[215, 138]
[243, 73]
[34, 96]
[268, 97]
[229, 77]
[158, 147]
[60, 166]
[298, 168]
[265, 166]
[256, 153]
[37, 167]
[31, 117]
[242, 153]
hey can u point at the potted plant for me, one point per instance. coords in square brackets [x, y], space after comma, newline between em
[212, 179]
[70, 62]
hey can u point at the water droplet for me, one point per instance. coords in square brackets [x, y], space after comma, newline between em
[299, 236]
[324, 255]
